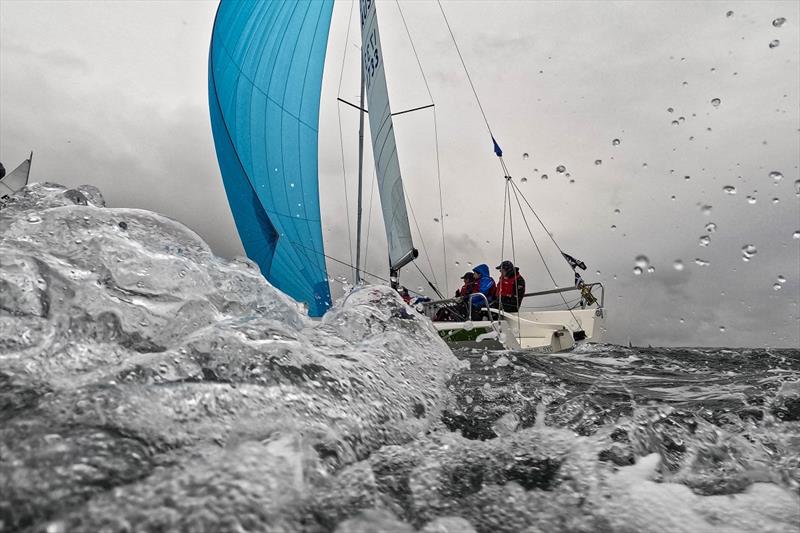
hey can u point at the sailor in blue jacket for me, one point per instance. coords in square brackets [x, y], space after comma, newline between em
[486, 286]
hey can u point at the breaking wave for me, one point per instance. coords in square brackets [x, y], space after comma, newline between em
[147, 385]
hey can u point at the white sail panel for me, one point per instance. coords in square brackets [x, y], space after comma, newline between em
[384, 147]
[17, 179]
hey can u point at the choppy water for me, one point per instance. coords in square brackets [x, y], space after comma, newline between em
[146, 385]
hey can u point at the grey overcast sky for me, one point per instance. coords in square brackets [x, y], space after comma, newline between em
[115, 94]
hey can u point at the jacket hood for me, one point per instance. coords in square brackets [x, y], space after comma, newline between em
[482, 270]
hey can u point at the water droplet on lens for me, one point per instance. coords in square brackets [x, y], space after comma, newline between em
[711, 227]
[701, 262]
[682, 321]
[613, 227]
[617, 211]
[776, 287]
[33, 219]
[729, 189]
[751, 200]
[525, 155]
[774, 43]
[705, 240]
[776, 176]
[670, 110]
[778, 22]
[796, 235]
[615, 142]
[797, 187]
[637, 271]
[776, 200]
[458, 263]
[722, 329]
[781, 280]
[598, 161]
[682, 119]
[544, 176]
[729, 14]
[675, 123]
[642, 261]
[524, 180]
[706, 210]
[651, 269]
[748, 251]
[436, 219]
[678, 265]
[715, 102]
[687, 178]
[560, 169]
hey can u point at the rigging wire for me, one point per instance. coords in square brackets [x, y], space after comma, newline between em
[539, 219]
[436, 141]
[466, 71]
[513, 249]
[341, 134]
[421, 239]
[547, 268]
[503, 236]
[369, 218]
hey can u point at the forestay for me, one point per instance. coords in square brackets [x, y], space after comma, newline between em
[384, 147]
[265, 80]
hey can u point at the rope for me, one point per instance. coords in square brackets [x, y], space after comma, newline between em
[345, 263]
[431, 285]
[436, 140]
[341, 135]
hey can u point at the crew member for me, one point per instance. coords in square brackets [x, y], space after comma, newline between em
[510, 288]
[486, 286]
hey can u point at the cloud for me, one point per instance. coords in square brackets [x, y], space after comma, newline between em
[119, 100]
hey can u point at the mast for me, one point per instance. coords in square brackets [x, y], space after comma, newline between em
[360, 174]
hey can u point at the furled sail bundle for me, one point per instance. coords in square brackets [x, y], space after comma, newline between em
[265, 79]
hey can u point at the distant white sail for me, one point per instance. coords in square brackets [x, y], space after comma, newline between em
[17, 179]
[384, 147]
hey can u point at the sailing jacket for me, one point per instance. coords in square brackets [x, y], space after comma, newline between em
[485, 285]
[511, 287]
[469, 287]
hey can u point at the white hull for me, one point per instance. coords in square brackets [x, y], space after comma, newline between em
[539, 331]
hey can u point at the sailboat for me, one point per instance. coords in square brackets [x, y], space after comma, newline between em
[265, 81]
[16, 179]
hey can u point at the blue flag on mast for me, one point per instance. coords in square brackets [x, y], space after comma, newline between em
[497, 149]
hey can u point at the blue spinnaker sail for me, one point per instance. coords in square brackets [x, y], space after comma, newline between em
[265, 80]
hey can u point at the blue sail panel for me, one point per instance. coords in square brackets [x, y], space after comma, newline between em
[265, 81]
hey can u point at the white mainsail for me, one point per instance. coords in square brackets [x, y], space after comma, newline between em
[384, 147]
[17, 179]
